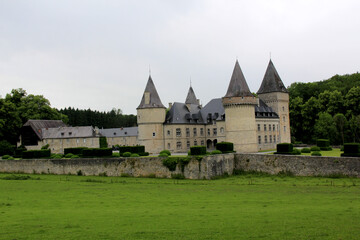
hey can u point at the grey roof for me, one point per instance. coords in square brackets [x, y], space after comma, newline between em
[155, 101]
[179, 113]
[214, 110]
[69, 132]
[191, 98]
[272, 81]
[38, 125]
[238, 86]
[264, 111]
[119, 132]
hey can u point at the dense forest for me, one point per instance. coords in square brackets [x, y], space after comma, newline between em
[327, 109]
[111, 119]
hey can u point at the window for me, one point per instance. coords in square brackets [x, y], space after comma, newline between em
[222, 130]
[202, 143]
[195, 143]
[67, 140]
[277, 127]
[259, 139]
[154, 134]
[178, 145]
[62, 134]
[209, 131]
[274, 139]
[258, 127]
[274, 127]
[201, 131]
[195, 132]
[84, 140]
[264, 127]
[265, 139]
[114, 133]
[168, 146]
[178, 132]
[168, 132]
[188, 144]
[70, 133]
[278, 139]
[270, 138]
[269, 127]
[283, 109]
[187, 132]
[45, 140]
[214, 131]
[284, 128]
[283, 119]
[77, 140]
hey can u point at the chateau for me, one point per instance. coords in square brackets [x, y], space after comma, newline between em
[251, 122]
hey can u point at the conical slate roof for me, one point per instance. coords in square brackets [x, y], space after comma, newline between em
[155, 101]
[191, 98]
[272, 81]
[238, 86]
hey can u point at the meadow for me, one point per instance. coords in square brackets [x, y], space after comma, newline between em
[248, 206]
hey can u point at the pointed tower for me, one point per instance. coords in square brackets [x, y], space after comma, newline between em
[239, 105]
[150, 119]
[191, 98]
[273, 92]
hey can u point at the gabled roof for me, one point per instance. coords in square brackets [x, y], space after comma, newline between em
[179, 113]
[191, 98]
[69, 132]
[155, 101]
[272, 81]
[264, 111]
[37, 125]
[238, 86]
[214, 110]
[119, 132]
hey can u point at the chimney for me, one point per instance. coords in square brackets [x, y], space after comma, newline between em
[170, 105]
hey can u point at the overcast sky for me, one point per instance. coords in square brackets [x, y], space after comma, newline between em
[96, 54]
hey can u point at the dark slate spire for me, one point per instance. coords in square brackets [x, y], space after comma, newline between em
[238, 86]
[150, 97]
[191, 98]
[272, 81]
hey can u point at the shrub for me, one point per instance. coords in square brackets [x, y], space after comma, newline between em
[11, 158]
[166, 151]
[178, 176]
[170, 163]
[6, 157]
[6, 148]
[284, 148]
[127, 154]
[341, 148]
[19, 151]
[68, 155]
[351, 150]
[56, 156]
[225, 147]
[316, 153]
[37, 154]
[163, 155]
[134, 155]
[76, 151]
[198, 150]
[322, 143]
[306, 150]
[45, 147]
[74, 156]
[315, 149]
[296, 152]
[216, 152]
[144, 154]
[103, 142]
[97, 152]
[116, 154]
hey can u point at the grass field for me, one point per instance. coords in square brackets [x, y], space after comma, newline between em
[239, 207]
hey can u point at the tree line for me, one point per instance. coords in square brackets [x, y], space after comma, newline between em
[327, 109]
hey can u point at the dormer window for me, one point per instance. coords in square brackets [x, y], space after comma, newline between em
[62, 134]
[70, 133]
[114, 133]
[125, 133]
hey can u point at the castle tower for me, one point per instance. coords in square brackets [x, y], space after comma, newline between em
[150, 119]
[273, 92]
[239, 104]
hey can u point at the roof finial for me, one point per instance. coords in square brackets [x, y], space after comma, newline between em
[149, 70]
[270, 55]
[190, 81]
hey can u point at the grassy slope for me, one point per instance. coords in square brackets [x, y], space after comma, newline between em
[242, 207]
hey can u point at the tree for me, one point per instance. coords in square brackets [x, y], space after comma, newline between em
[325, 127]
[340, 123]
[352, 101]
[309, 113]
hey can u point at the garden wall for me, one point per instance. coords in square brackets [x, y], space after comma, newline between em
[209, 167]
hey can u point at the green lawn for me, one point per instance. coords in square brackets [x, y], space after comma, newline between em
[240, 207]
[333, 153]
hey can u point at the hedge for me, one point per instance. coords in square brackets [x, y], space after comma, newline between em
[76, 151]
[44, 153]
[284, 148]
[225, 147]
[97, 152]
[351, 150]
[323, 144]
[198, 150]
[103, 142]
[133, 149]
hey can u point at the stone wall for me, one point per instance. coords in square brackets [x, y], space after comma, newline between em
[209, 167]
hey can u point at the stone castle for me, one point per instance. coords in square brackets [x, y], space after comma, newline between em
[251, 122]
